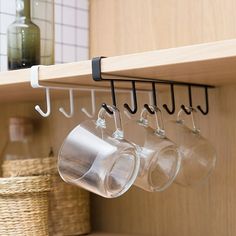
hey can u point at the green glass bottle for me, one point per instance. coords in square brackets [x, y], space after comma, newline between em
[23, 39]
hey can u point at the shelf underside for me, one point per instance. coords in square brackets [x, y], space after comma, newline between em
[210, 63]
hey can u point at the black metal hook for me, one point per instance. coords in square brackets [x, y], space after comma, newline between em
[172, 111]
[190, 101]
[97, 76]
[207, 103]
[154, 98]
[135, 108]
[113, 95]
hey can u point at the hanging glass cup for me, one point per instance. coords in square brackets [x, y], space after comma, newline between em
[97, 159]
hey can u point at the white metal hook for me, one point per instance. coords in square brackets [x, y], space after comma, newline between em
[93, 104]
[48, 103]
[34, 80]
[62, 110]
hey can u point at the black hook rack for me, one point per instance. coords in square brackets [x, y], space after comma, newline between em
[97, 76]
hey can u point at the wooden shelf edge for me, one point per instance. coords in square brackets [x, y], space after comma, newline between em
[210, 63]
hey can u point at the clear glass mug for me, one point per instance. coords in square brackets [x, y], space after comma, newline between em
[159, 157]
[198, 155]
[98, 160]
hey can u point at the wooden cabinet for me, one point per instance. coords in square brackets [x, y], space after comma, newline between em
[119, 27]
[122, 27]
[188, 211]
[156, 34]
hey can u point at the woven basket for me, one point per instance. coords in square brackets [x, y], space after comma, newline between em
[69, 205]
[37, 166]
[24, 206]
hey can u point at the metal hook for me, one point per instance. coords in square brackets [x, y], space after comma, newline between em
[34, 80]
[113, 95]
[135, 105]
[132, 102]
[187, 111]
[154, 99]
[62, 110]
[93, 103]
[48, 103]
[172, 110]
[207, 103]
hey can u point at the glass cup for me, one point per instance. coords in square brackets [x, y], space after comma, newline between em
[159, 157]
[98, 160]
[198, 155]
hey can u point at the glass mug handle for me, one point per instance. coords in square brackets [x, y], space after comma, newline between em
[101, 122]
[158, 118]
[193, 115]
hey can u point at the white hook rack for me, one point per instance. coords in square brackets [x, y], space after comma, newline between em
[34, 81]
[48, 102]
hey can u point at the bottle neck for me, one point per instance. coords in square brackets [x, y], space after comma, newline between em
[23, 9]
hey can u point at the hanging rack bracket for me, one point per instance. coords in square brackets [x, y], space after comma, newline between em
[97, 76]
[96, 68]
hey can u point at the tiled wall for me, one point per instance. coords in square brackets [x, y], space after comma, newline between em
[7, 16]
[71, 30]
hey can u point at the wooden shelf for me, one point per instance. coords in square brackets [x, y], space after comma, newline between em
[210, 63]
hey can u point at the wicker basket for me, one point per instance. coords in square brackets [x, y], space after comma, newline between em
[24, 205]
[37, 166]
[69, 205]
